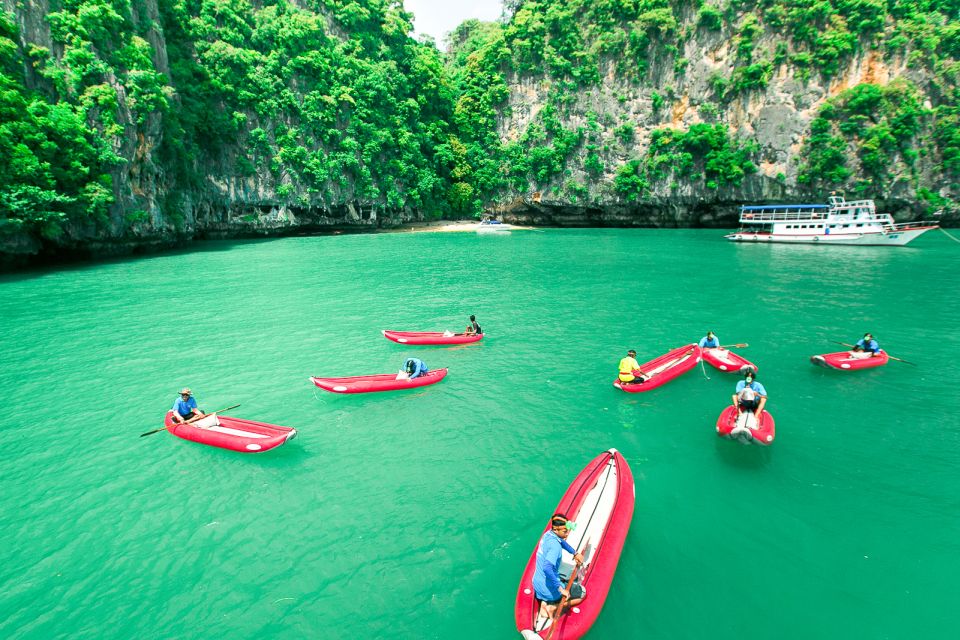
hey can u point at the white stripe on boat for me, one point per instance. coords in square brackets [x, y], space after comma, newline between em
[237, 432]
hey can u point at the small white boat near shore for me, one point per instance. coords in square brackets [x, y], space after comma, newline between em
[493, 226]
[839, 222]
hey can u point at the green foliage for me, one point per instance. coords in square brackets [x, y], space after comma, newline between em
[54, 167]
[704, 151]
[879, 124]
[710, 18]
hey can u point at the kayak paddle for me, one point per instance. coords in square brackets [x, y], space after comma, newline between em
[149, 433]
[853, 346]
[739, 345]
[563, 600]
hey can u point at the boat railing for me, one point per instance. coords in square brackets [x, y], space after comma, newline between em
[854, 204]
[905, 226]
[780, 216]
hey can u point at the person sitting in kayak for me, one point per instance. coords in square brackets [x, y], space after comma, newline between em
[867, 344]
[414, 368]
[469, 331]
[630, 372]
[185, 407]
[750, 395]
[476, 327]
[710, 341]
[546, 578]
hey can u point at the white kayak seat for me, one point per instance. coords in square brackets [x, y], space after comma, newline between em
[402, 375]
[448, 334]
[860, 355]
[207, 421]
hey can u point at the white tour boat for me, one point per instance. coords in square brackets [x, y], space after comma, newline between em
[839, 222]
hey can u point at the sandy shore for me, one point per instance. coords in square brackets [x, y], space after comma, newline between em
[442, 226]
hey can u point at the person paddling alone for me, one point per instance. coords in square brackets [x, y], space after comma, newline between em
[750, 396]
[415, 368]
[710, 341]
[630, 372]
[867, 344]
[185, 407]
[546, 578]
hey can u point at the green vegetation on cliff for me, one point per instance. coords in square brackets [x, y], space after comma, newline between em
[118, 114]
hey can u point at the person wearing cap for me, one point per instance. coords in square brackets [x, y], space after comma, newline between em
[867, 343]
[710, 341]
[415, 368]
[547, 585]
[185, 407]
[630, 372]
[750, 395]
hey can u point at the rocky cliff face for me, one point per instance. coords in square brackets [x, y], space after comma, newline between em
[813, 103]
[197, 153]
[279, 117]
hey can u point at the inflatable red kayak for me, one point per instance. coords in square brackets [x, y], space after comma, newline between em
[235, 434]
[430, 337]
[747, 431]
[664, 369]
[847, 360]
[601, 501]
[727, 360]
[379, 382]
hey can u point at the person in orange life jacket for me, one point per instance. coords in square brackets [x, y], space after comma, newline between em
[750, 395]
[185, 407]
[546, 580]
[630, 372]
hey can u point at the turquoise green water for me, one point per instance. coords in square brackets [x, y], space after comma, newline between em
[412, 515]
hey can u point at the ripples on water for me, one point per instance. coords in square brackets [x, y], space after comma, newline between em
[411, 515]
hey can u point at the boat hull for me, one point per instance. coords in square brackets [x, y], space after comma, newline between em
[762, 434]
[664, 368]
[897, 238]
[728, 361]
[378, 382]
[600, 499]
[844, 362]
[429, 337]
[235, 434]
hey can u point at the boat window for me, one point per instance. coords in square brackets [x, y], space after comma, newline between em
[819, 226]
[860, 225]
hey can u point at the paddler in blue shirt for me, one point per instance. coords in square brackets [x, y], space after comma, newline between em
[185, 407]
[867, 343]
[750, 395]
[546, 578]
[710, 341]
[415, 368]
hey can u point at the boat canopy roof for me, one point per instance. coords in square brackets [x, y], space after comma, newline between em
[771, 207]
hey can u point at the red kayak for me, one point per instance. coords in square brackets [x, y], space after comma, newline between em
[601, 501]
[664, 369]
[747, 430]
[848, 360]
[235, 434]
[430, 337]
[379, 382]
[726, 360]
